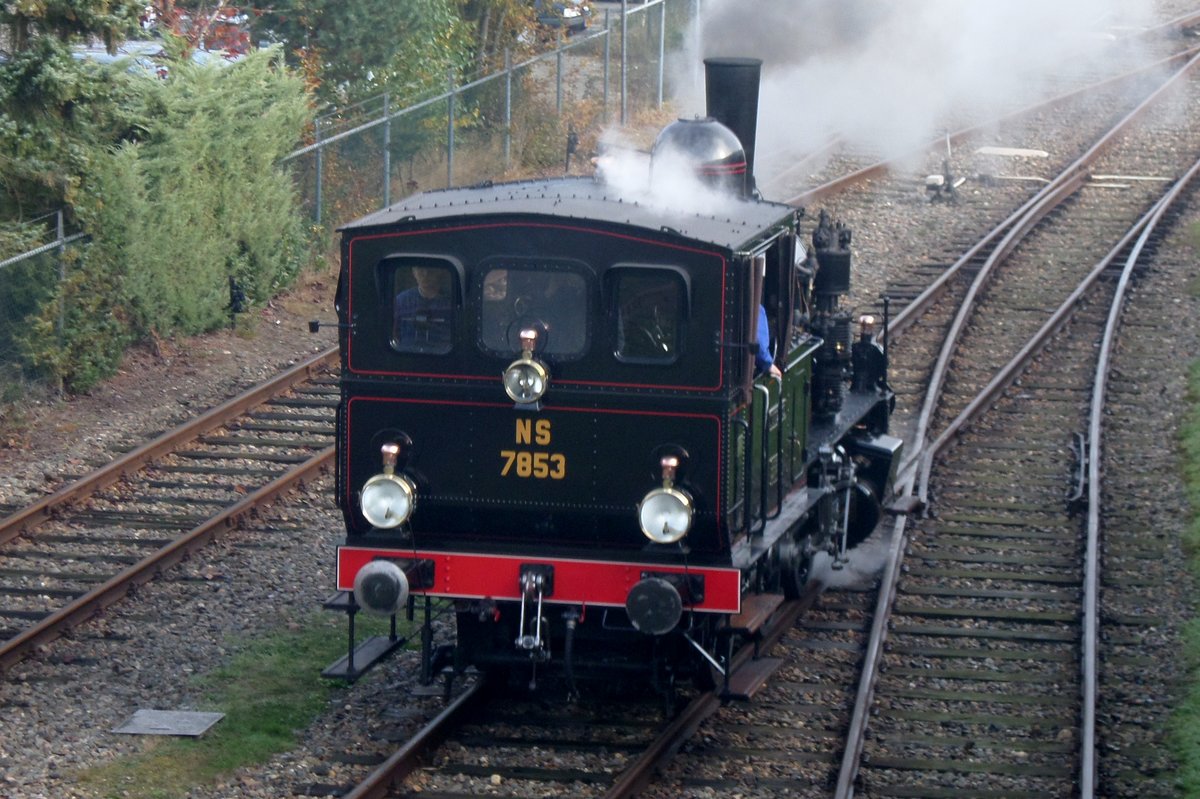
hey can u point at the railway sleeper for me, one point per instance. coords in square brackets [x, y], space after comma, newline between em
[248, 441]
[284, 427]
[288, 402]
[270, 457]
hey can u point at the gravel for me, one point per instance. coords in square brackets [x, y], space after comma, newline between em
[59, 708]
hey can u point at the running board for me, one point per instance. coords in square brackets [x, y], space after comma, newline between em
[745, 682]
[756, 609]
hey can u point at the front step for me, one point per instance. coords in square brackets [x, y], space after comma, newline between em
[358, 658]
[355, 664]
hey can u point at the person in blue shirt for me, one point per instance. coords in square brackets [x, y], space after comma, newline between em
[421, 314]
[763, 360]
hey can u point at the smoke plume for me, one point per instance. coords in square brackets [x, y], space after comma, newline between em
[890, 76]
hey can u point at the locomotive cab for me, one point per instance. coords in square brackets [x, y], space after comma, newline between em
[551, 418]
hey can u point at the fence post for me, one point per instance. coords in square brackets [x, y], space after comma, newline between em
[624, 62]
[662, 49]
[450, 132]
[60, 325]
[320, 168]
[558, 72]
[507, 109]
[61, 322]
[607, 63]
[387, 152]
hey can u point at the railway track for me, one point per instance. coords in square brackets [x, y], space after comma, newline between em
[75, 552]
[607, 743]
[788, 739]
[989, 678]
[981, 687]
[981, 579]
[750, 745]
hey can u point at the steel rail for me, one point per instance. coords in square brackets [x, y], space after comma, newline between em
[132, 461]
[405, 760]
[84, 607]
[889, 583]
[925, 300]
[393, 771]
[635, 778]
[1095, 476]
[1141, 230]
[840, 184]
[856, 734]
[1182, 22]
[890, 580]
[1054, 195]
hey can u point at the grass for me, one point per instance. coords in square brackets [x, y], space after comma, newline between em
[1185, 723]
[270, 691]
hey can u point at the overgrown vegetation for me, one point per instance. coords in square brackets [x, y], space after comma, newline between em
[268, 693]
[173, 169]
[193, 198]
[353, 49]
[1186, 720]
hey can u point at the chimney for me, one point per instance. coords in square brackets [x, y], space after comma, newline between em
[731, 95]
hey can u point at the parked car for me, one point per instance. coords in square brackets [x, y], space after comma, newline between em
[572, 15]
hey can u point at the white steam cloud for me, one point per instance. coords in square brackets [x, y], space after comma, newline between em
[669, 184]
[893, 75]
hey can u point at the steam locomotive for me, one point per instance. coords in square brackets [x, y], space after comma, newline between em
[551, 416]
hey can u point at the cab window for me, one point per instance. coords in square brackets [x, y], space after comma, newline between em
[551, 302]
[422, 305]
[649, 311]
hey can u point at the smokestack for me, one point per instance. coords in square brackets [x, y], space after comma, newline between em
[731, 96]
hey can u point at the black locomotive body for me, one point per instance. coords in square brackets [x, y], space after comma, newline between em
[551, 416]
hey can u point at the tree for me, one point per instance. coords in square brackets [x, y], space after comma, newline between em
[49, 110]
[196, 198]
[53, 111]
[499, 25]
[65, 20]
[361, 48]
[219, 27]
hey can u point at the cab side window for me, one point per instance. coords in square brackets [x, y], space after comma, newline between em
[423, 306]
[649, 312]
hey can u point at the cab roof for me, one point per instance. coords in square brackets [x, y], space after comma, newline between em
[738, 225]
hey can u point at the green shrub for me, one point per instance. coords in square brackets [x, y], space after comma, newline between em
[95, 330]
[196, 197]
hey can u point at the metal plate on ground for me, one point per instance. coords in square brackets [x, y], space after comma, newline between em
[169, 722]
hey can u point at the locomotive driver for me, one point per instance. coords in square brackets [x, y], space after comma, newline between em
[421, 314]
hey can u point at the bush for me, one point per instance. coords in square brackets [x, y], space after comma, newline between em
[194, 198]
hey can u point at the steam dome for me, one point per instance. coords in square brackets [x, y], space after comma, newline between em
[714, 151]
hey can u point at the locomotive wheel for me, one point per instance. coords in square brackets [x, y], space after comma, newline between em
[795, 568]
[865, 513]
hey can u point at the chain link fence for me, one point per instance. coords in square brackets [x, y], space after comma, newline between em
[520, 120]
[540, 115]
[27, 283]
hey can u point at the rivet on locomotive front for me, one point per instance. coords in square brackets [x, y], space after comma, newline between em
[557, 415]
